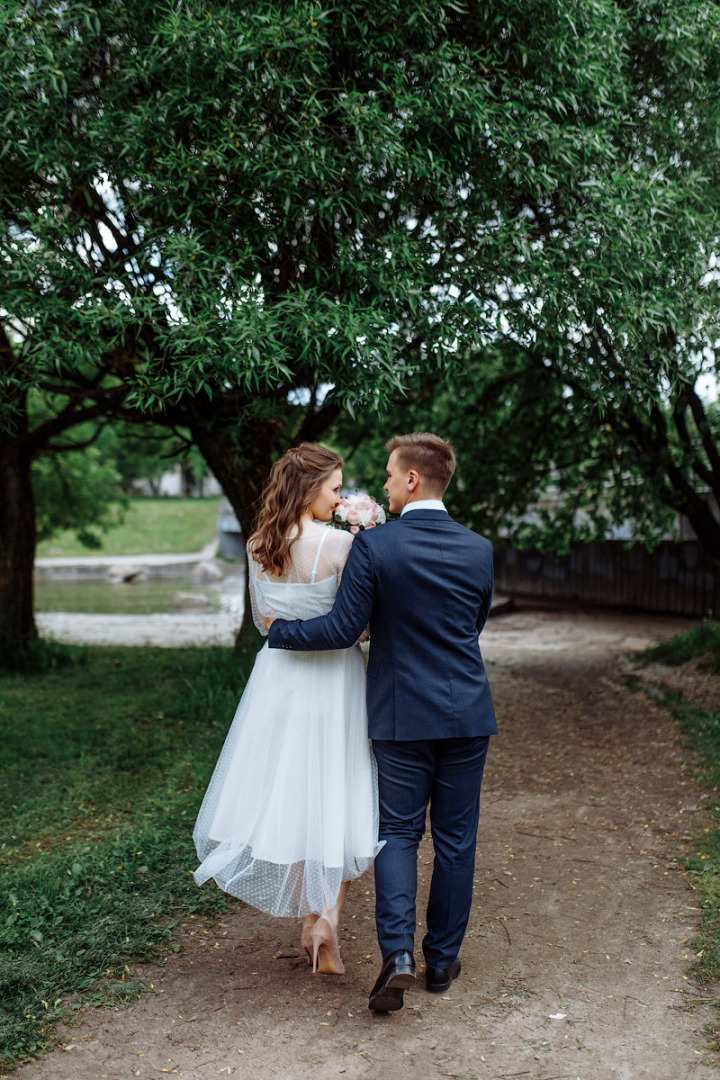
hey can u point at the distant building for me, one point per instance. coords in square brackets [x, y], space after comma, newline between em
[175, 484]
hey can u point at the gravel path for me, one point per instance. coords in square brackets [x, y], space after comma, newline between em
[575, 963]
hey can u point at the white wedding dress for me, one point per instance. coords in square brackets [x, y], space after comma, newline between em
[291, 809]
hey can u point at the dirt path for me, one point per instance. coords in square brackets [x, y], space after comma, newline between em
[575, 963]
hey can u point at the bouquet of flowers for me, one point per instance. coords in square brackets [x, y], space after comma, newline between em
[357, 512]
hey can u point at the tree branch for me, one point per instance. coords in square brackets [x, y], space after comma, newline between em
[55, 447]
[690, 451]
[110, 401]
[706, 435]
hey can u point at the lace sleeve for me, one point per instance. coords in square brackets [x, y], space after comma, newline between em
[256, 592]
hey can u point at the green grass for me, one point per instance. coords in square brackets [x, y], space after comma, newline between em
[39, 654]
[701, 732]
[702, 641]
[151, 526]
[105, 762]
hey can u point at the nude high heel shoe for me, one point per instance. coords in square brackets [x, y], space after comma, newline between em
[325, 949]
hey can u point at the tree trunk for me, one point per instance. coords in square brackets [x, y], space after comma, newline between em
[17, 539]
[647, 430]
[681, 484]
[706, 525]
[241, 463]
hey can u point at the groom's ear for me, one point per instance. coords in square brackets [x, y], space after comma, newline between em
[413, 479]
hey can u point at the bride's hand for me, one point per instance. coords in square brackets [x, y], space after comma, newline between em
[365, 636]
[269, 620]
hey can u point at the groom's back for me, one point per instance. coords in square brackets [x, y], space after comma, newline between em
[432, 594]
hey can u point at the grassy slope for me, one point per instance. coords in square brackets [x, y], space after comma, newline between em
[701, 730]
[151, 526]
[104, 767]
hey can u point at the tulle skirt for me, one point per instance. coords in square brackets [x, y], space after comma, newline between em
[291, 809]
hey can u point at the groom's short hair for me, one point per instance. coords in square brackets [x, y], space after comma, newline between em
[431, 456]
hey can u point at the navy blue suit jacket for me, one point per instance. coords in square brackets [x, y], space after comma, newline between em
[424, 583]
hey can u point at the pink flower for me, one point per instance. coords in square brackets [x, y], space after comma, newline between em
[371, 524]
[353, 516]
[354, 529]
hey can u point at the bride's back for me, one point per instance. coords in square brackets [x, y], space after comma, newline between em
[309, 585]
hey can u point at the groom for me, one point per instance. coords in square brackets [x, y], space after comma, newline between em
[424, 583]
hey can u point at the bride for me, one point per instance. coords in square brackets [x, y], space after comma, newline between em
[290, 816]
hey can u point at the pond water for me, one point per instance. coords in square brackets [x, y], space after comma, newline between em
[148, 597]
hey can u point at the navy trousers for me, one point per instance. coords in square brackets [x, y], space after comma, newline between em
[447, 773]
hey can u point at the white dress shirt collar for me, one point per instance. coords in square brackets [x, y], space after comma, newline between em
[423, 504]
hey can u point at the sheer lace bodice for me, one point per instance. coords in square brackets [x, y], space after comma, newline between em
[309, 587]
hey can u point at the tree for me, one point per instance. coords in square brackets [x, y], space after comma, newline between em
[141, 453]
[144, 452]
[211, 212]
[79, 491]
[540, 462]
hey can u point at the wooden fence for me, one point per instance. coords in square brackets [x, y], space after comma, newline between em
[675, 578]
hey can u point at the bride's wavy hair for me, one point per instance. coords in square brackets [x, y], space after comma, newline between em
[295, 479]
